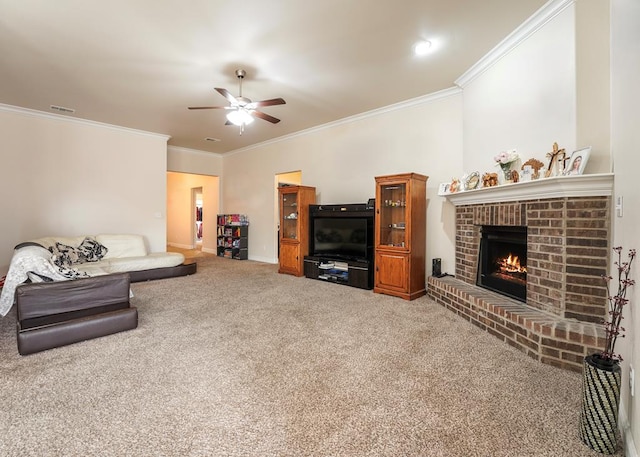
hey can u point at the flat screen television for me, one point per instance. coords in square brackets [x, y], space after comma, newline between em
[348, 238]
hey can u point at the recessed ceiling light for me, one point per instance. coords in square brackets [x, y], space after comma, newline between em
[421, 47]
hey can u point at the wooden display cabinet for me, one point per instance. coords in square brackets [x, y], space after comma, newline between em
[294, 227]
[400, 235]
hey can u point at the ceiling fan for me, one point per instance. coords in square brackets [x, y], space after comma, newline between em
[243, 110]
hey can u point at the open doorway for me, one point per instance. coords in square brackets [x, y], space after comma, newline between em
[291, 178]
[197, 227]
[186, 192]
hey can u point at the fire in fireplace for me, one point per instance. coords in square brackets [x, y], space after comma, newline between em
[511, 268]
[502, 263]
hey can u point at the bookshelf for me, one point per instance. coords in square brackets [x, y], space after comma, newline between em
[233, 236]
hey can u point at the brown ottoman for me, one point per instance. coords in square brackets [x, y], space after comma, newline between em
[53, 314]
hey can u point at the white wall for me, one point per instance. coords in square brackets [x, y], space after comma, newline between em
[625, 136]
[342, 159]
[62, 176]
[186, 160]
[593, 99]
[526, 100]
[546, 88]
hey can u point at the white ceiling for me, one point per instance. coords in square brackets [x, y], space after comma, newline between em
[140, 63]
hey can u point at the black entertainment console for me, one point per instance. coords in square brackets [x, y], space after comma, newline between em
[341, 244]
[355, 274]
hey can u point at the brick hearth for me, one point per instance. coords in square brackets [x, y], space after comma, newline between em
[568, 244]
[543, 336]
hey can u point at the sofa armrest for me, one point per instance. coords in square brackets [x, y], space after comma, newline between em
[49, 298]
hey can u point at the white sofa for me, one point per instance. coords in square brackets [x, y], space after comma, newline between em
[39, 260]
[125, 253]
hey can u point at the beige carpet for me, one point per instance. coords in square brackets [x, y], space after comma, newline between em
[238, 360]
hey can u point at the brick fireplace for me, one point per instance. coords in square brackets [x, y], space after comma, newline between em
[568, 244]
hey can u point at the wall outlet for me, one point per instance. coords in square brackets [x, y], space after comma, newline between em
[632, 378]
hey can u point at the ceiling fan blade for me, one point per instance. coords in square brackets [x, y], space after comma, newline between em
[270, 102]
[226, 94]
[210, 107]
[265, 116]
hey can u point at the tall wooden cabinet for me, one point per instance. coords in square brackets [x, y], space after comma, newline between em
[294, 227]
[400, 235]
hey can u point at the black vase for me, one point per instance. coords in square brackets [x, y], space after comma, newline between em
[601, 380]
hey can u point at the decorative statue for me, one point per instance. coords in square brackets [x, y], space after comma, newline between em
[455, 185]
[489, 179]
[536, 165]
[555, 157]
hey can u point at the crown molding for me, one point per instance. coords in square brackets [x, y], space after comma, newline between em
[180, 149]
[541, 17]
[75, 120]
[424, 99]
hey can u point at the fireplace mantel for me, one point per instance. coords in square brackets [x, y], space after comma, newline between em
[568, 221]
[591, 185]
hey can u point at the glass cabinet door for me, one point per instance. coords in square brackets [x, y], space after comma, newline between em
[393, 211]
[289, 216]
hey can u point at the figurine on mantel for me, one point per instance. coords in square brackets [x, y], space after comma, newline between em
[557, 159]
[455, 185]
[489, 179]
[535, 166]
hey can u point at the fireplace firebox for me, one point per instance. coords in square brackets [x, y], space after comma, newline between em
[502, 262]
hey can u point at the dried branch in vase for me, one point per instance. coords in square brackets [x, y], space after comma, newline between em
[613, 329]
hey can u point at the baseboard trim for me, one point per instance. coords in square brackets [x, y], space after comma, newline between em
[180, 246]
[263, 259]
[625, 432]
[629, 445]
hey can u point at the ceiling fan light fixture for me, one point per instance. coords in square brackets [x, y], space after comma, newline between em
[240, 117]
[422, 48]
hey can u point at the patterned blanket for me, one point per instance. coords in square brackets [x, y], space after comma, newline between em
[35, 263]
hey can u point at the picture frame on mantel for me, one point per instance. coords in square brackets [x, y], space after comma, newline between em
[578, 161]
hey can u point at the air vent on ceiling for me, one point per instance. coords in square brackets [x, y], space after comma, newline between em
[212, 139]
[62, 109]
